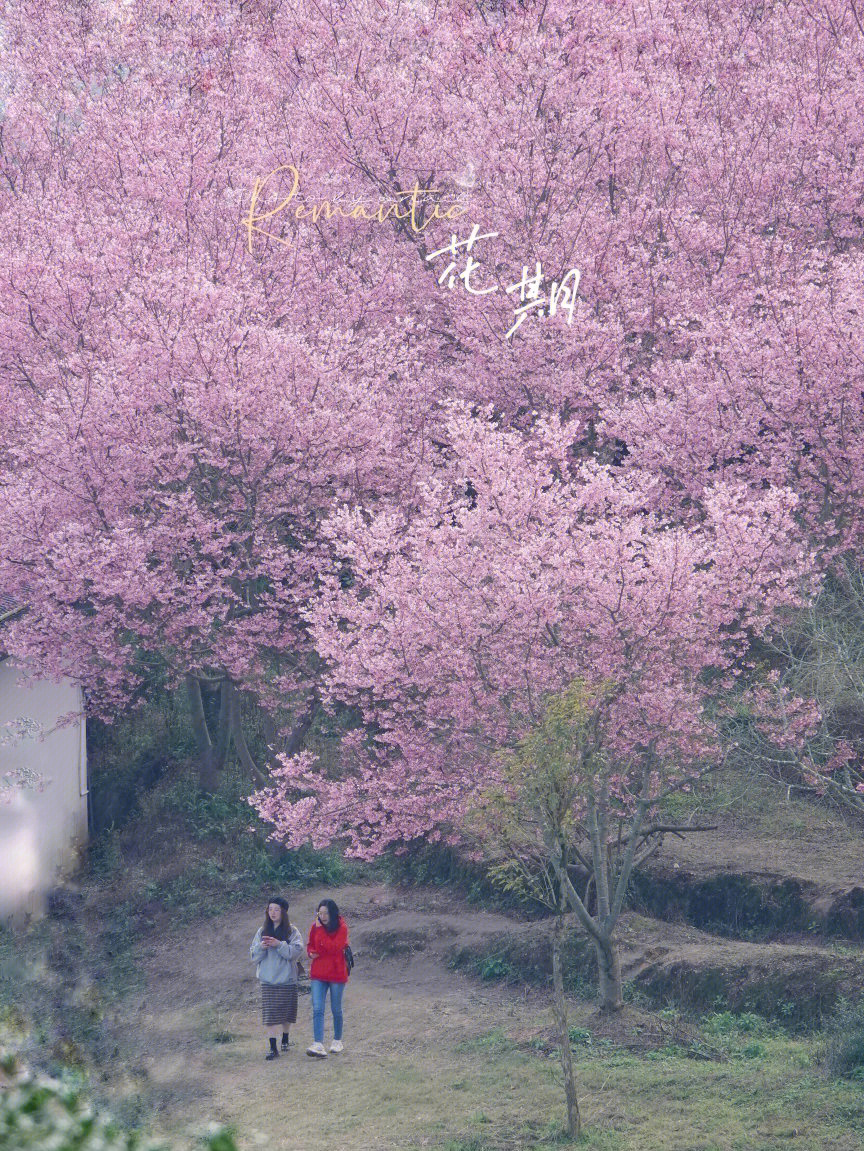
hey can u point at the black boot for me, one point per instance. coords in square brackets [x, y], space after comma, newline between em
[285, 1043]
[272, 1053]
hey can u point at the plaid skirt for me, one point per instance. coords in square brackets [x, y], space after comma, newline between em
[278, 1004]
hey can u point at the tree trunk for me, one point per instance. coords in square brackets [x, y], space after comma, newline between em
[211, 756]
[559, 1007]
[600, 933]
[609, 971]
[297, 739]
[239, 737]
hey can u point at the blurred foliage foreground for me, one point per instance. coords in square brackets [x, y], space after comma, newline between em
[51, 1115]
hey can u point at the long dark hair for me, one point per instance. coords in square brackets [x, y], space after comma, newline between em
[333, 911]
[270, 928]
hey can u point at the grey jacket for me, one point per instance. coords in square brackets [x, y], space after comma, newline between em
[277, 965]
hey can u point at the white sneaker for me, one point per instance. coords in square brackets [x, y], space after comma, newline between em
[336, 1046]
[317, 1049]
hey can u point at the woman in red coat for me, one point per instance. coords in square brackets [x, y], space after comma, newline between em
[328, 938]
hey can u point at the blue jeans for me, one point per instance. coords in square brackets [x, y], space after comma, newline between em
[319, 995]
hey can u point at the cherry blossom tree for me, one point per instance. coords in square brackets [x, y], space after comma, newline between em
[686, 157]
[522, 571]
[770, 394]
[177, 418]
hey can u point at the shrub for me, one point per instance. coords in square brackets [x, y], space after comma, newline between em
[437, 864]
[218, 851]
[497, 967]
[728, 1023]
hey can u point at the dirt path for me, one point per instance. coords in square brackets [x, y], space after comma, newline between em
[401, 1009]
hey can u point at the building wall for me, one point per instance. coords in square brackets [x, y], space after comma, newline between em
[41, 832]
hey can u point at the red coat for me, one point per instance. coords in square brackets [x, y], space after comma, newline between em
[330, 964]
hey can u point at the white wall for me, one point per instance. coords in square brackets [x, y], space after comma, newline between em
[40, 832]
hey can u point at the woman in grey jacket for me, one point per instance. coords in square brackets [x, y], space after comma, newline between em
[276, 948]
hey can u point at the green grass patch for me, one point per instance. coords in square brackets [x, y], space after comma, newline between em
[761, 1088]
[843, 1054]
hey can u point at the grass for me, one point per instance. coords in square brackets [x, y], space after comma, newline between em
[754, 800]
[763, 1090]
[494, 1089]
[742, 1082]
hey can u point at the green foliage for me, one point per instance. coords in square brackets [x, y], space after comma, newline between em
[497, 967]
[127, 758]
[692, 1050]
[147, 805]
[844, 1047]
[536, 801]
[220, 1140]
[796, 998]
[12, 970]
[494, 1042]
[119, 974]
[37, 1113]
[635, 995]
[728, 1023]
[725, 1035]
[215, 849]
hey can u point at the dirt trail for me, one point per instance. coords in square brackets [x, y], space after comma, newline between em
[400, 1011]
